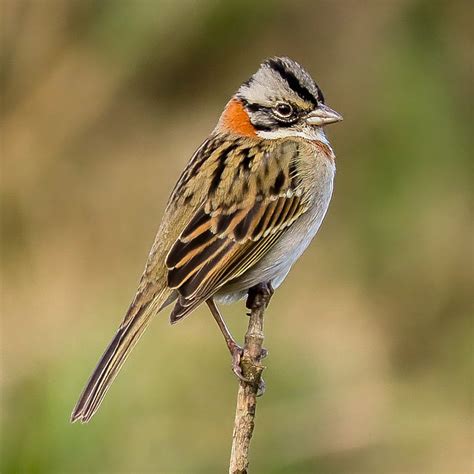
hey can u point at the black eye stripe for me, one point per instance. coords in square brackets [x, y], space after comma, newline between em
[262, 128]
[253, 107]
[273, 125]
[292, 81]
[270, 121]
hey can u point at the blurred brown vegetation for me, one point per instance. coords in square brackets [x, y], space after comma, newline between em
[370, 338]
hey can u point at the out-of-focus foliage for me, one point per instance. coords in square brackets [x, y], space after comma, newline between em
[370, 338]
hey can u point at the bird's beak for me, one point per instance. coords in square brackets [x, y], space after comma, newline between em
[323, 115]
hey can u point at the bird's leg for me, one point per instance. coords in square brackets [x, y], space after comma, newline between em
[235, 350]
[262, 290]
[257, 293]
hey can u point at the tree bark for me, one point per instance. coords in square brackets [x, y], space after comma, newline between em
[252, 369]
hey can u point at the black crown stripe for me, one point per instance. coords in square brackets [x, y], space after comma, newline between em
[292, 81]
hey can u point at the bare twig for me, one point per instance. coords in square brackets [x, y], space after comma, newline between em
[252, 369]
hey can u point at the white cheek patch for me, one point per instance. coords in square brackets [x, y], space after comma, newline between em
[309, 133]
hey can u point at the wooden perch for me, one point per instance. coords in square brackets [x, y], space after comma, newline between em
[258, 299]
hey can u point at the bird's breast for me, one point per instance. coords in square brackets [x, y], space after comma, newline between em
[317, 171]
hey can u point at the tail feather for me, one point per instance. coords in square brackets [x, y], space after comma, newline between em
[112, 361]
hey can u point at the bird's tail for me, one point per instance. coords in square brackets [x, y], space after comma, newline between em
[128, 334]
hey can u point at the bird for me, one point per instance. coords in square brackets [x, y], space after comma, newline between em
[246, 206]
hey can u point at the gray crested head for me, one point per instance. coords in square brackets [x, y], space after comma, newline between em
[282, 99]
[281, 79]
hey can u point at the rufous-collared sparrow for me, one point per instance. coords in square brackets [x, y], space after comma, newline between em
[245, 208]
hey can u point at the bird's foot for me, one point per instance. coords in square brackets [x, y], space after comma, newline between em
[237, 352]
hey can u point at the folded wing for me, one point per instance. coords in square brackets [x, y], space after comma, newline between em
[232, 231]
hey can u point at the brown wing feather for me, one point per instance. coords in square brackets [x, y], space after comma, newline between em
[244, 205]
[198, 268]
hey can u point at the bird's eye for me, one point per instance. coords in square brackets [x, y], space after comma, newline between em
[283, 110]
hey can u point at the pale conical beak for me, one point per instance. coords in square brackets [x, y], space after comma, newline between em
[323, 115]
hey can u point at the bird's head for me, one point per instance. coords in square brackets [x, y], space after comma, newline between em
[280, 100]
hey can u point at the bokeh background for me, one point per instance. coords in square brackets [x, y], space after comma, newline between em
[370, 338]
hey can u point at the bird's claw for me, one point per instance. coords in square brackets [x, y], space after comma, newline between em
[237, 353]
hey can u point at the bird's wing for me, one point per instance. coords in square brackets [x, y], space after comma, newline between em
[252, 196]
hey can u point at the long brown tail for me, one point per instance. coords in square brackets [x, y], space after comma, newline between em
[113, 358]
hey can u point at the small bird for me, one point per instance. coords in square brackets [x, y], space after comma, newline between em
[246, 206]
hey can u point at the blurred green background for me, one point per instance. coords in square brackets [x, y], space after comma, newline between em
[370, 338]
